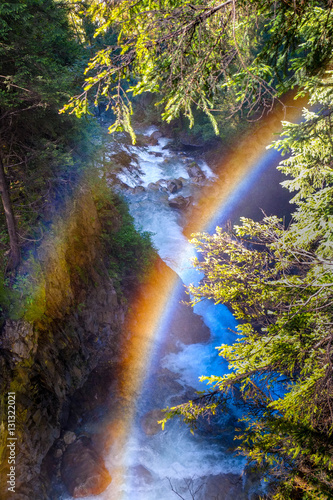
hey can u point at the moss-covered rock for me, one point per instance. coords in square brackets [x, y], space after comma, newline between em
[74, 308]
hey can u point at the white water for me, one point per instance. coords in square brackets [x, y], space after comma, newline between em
[175, 454]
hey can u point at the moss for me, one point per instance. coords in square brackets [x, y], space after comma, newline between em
[128, 252]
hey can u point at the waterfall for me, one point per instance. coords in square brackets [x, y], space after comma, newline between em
[150, 463]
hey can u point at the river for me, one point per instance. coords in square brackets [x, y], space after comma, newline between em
[145, 462]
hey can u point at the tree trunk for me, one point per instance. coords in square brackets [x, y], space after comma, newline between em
[15, 256]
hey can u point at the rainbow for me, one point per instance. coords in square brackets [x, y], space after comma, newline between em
[149, 311]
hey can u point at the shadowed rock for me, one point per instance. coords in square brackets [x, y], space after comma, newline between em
[174, 185]
[19, 338]
[155, 136]
[83, 470]
[194, 171]
[149, 422]
[224, 487]
[180, 202]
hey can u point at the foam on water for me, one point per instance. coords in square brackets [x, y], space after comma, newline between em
[197, 360]
[163, 223]
[174, 453]
[157, 162]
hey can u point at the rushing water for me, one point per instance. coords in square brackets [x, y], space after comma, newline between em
[154, 463]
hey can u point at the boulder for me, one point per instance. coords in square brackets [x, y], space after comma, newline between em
[69, 437]
[152, 141]
[156, 135]
[138, 189]
[180, 202]
[174, 185]
[82, 469]
[194, 171]
[182, 180]
[190, 141]
[149, 422]
[153, 186]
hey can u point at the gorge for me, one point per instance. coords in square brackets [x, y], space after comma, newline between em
[167, 347]
[166, 321]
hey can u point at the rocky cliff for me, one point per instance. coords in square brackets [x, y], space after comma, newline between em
[71, 321]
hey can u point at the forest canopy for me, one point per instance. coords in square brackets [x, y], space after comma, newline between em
[203, 55]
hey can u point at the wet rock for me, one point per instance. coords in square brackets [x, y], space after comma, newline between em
[69, 437]
[143, 474]
[224, 486]
[153, 186]
[142, 140]
[83, 470]
[123, 159]
[149, 422]
[156, 154]
[138, 189]
[18, 337]
[174, 185]
[152, 142]
[194, 171]
[180, 202]
[197, 179]
[156, 135]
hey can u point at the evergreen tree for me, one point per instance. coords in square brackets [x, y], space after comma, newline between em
[279, 284]
[277, 280]
[37, 74]
[195, 54]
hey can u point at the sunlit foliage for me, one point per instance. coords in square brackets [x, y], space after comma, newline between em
[196, 54]
[279, 284]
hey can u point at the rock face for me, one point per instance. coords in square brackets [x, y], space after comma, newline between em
[225, 487]
[76, 319]
[83, 470]
[186, 326]
[19, 338]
